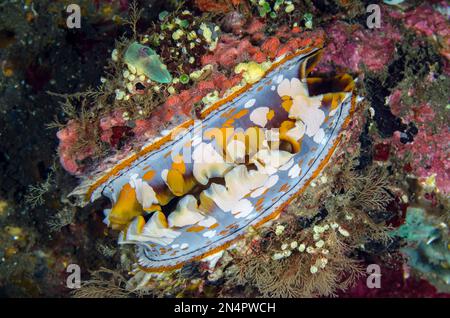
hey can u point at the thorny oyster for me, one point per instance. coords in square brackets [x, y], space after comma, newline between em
[193, 192]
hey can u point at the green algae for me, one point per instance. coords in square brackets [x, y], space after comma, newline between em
[147, 62]
[427, 247]
[416, 228]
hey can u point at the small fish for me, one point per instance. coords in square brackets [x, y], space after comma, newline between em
[393, 2]
[147, 62]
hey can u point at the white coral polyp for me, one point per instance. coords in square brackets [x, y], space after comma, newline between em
[238, 183]
[297, 131]
[269, 161]
[304, 108]
[145, 194]
[208, 163]
[186, 213]
[154, 231]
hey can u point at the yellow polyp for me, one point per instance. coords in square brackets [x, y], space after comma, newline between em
[286, 103]
[162, 220]
[107, 10]
[178, 184]
[431, 181]
[270, 114]
[164, 196]
[140, 224]
[126, 208]
[153, 208]
[175, 182]
[8, 71]
[284, 128]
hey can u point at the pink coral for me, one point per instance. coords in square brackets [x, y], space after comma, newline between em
[350, 46]
[68, 137]
[112, 130]
[232, 49]
[429, 156]
[115, 119]
[429, 151]
[255, 26]
[270, 46]
[427, 21]
[395, 102]
[430, 148]
[107, 125]
[259, 57]
[217, 6]
[147, 128]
